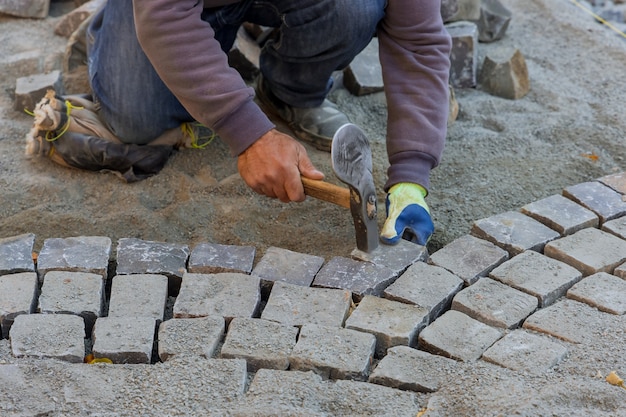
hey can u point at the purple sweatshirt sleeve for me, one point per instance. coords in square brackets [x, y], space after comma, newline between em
[414, 54]
[189, 60]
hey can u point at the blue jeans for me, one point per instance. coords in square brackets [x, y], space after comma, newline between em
[316, 37]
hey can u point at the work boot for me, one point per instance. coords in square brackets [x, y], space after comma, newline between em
[315, 126]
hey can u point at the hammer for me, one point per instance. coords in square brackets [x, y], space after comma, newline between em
[351, 159]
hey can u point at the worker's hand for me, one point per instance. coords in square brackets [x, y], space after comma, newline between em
[408, 215]
[272, 166]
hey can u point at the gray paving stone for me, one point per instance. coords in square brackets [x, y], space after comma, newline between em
[196, 337]
[514, 232]
[124, 339]
[395, 257]
[561, 214]
[35, 8]
[427, 286]
[138, 295]
[597, 197]
[262, 343]
[29, 90]
[603, 291]
[69, 22]
[495, 304]
[524, 351]
[284, 265]
[589, 251]
[18, 295]
[227, 295]
[58, 336]
[333, 352]
[616, 181]
[392, 322]
[616, 227]
[212, 258]
[362, 278]
[464, 54]
[136, 256]
[411, 369]
[297, 305]
[536, 274]
[469, 257]
[79, 293]
[75, 254]
[364, 74]
[16, 254]
[456, 335]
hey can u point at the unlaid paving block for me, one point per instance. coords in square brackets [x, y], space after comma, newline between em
[136, 256]
[31, 89]
[297, 305]
[364, 74]
[227, 295]
[427, 286]
[493, 22]
[392, 322]
[395, 257]
[16, 254]
[514, 232]
[524, 351]
[195, 337]
[413, 370]
[124, 339]
[597, 197]
[616, 227]
[495, 304]
[546, 278]
[464, 54]
[33, 8]
[615, 181]
[456, 335]
[469, 257]
[79, 293]
[603, 291]
[18, 295]
[69, 22]
[561, 214]
[504, 73]
[262, 343]
[75, 254]
[57, 336]
[138, 295]
[362, 278]
[333, 352]
[288, 266]
[213, 258]
[589, 251]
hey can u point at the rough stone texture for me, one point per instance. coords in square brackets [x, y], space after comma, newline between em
[536, 274]
[138, 295]
[195, 337]
[397, 257]
[58, 336]
[362, 278]
[602, 291]
[411, 369]
[495, 304]
[364, 74]
[392, 322]
[620, 271]
[467, 10]
[458, 336]
[124, 339]
[78, 293]
[615, 181]
[244, 55]
[33, 8]
[561, 214]
[448, 9]
[469, 257]
[227, 295]
[514, 232]
[464, 54]
[72, 20]
[297, 305]
[504, 74]
[16, 254]
[284, 265]
[333, 352]
[427, 286]
[213, 258]
[18, 295]
[597, 197]
[30, 89]
[524, 351]
[616, 227]
[493, 22]
[262, 343]
[589, 251]
[75, 254]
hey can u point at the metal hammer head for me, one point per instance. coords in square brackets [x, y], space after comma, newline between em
[352, 162]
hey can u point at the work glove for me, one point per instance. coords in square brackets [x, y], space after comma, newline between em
[408, 215]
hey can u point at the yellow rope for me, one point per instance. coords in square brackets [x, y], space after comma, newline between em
[599, 19]
[189, 131]
[68, 111]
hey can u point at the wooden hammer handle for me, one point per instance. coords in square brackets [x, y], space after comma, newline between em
[326, 191]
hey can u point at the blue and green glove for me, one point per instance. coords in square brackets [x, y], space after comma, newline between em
[408, 215]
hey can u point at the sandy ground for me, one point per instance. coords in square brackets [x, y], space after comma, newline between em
[500, 155]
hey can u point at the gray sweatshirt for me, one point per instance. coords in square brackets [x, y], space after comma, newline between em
[414, 54]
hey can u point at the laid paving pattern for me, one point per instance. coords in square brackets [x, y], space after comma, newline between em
[297, 335]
